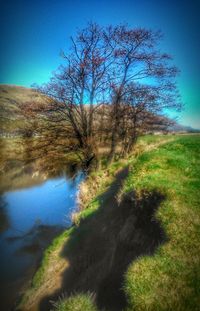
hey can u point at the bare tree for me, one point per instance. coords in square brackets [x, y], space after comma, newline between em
[114, 85]
[138, 60]
[79, 88]
[143, 108]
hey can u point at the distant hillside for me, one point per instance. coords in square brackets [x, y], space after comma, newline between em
[181, 128]
[11, 97]
[12, 120]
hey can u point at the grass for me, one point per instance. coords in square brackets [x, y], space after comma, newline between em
[76, 303]
[48, 254]
[48, 260]
[10, 97]
[169, 279]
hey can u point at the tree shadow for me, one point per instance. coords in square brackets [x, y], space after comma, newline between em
[101, 248]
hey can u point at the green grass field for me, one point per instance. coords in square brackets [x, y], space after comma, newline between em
[168, 278]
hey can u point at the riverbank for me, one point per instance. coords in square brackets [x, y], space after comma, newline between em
[135, 242]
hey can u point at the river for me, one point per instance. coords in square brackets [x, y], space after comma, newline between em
[30, 217]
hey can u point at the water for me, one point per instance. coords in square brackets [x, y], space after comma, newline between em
[29, 219]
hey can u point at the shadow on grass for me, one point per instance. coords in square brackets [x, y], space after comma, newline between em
[100, 250]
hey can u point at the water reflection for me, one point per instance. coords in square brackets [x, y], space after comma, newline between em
[27, 162]
[30, 217]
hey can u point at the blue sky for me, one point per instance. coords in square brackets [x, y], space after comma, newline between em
[34, 32]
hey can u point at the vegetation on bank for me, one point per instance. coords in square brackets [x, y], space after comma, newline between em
[170, 279]
[166, 177]
[79, 302]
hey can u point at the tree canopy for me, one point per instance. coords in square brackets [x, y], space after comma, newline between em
[113, 85]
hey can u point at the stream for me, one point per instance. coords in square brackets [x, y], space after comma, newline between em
[30, 217]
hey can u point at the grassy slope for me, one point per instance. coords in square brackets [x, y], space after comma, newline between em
[11, 95]
[10, 98]
[168, 280]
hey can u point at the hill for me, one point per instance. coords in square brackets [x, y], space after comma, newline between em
[11, 96]
[13, 121]
[177, 128]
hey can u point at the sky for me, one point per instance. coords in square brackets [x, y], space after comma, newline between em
[34, 32]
